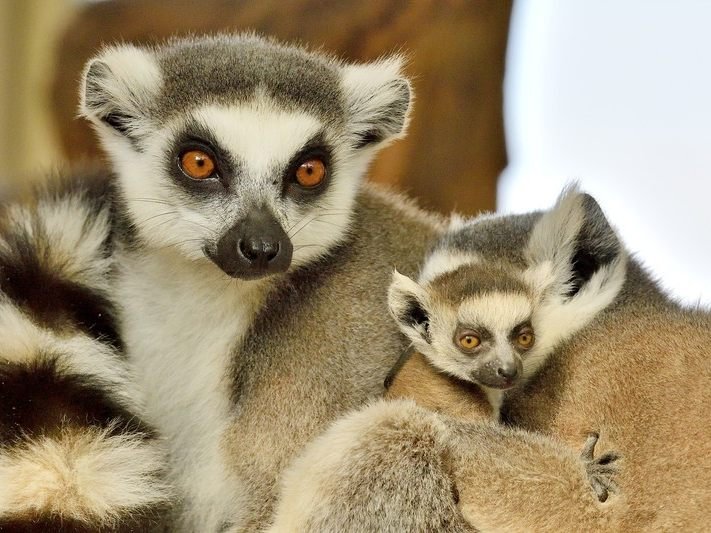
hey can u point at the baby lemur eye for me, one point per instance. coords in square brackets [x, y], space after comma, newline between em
[468, 340]
[197, 164]
[311, 173]
[526, 338]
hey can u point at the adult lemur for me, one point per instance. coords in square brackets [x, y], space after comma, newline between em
[615, 355]
[253, 263]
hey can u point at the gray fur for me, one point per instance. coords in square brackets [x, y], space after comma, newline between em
[323, 343]
[230, 69]
[495, 238]
[475, 280]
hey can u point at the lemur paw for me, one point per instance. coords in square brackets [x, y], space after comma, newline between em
[601, 470]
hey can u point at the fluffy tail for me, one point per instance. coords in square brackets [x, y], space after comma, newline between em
[74, 452]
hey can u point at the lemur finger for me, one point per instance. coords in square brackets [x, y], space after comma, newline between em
[600, 489]
[589, 448]
[608, 458]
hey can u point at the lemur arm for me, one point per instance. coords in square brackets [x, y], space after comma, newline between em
[74, 452]
[395, 466]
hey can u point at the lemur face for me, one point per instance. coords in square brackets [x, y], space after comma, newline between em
[239, 150]
[499, 293]
[480, 324]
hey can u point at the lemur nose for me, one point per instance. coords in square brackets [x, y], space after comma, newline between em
[508, 371]
[256, 246]
[255, 249]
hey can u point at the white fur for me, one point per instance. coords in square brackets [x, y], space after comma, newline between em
[496, 400]
[559, 319]
[442, 261]
[371, 89]
[499, 311]
[554, 236]
[83, 475]
[25, 342]
[134, 79]
[549, 253]
[68, 237]
[401, 290]
[183, 324]
[22, 340]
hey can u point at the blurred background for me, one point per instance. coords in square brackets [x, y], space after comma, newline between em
[514, 99]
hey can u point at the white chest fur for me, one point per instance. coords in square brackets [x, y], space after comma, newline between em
[181, 324]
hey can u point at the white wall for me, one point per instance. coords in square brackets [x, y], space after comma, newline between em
[617, 95]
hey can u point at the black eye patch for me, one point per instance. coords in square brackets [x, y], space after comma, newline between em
[197, 137]
[314, 148]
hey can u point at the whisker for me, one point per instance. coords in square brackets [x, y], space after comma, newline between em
[301, 228]
[306, 218]
[156, 216]
[149, 200]
[316, 219]
[309, 246]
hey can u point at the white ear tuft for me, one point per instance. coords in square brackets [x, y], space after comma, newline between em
[118, 85]
[378, 99]
[572, 241]
[554, 236]
[408, 306]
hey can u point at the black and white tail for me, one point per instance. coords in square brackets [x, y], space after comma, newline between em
[74, 452]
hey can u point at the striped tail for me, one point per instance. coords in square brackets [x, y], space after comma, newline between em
[74, 452]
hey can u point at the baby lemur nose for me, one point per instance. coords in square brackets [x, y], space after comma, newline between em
[508, 371]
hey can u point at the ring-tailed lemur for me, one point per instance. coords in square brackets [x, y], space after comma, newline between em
[75, 454]
[251, 257]
[485, 317]
[621, 358]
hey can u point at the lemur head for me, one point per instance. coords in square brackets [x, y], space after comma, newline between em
[499, 293]
[239, 149]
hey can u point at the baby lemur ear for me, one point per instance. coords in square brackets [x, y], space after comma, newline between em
[118, 86]
[408, 306]
[574, 241]
[378, 99]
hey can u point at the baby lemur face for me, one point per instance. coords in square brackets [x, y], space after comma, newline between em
[239, 150]
[481, 324]
[498, 293]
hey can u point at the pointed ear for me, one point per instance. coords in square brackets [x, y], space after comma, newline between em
[408, 306]
[573, 241]
[378, 101]
[117, 88]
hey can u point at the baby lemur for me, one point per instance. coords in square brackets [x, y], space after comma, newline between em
[485, 317]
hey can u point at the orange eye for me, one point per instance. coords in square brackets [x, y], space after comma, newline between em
[469, 341]
[526, 339]
[197, 164]
[311, 173]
